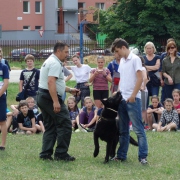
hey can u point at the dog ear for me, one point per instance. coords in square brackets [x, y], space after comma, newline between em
[104, 101]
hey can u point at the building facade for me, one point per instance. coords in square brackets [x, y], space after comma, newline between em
[56, 19]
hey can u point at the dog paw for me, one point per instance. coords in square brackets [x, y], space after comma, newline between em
[96, 152]
[106, 161]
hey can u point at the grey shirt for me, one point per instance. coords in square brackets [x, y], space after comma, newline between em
[52, 67]
[66, 71]
[172, 69]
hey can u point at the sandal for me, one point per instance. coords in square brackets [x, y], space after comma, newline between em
[2, 148]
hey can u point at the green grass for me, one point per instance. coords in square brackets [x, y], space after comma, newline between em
[21, 161]
[38, 63]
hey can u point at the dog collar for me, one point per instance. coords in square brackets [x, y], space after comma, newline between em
[111, 109]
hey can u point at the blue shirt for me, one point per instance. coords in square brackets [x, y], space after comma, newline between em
[99, 111]
[73, 114]
[4, 74]
[151, 63]
[110, 67]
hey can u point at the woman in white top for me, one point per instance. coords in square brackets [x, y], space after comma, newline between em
[144, 93]
[81, 73]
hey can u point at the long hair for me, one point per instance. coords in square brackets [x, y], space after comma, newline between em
[143, 65]
[73, 99]
[171, 44]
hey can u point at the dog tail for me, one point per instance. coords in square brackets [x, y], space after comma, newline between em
[133, 141]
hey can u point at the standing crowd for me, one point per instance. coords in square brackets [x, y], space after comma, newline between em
[44, 109]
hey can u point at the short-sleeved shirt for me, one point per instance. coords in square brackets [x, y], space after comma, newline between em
[151, 63]
[52, 67]
[66, 71]
[169, 116]
[155, 114]
[4, 61]
[99, 111]
[33, 85]
[26, 120]
[81, 73]
[85, 110]
[73, 114]
[39, 118]
[4, 74]
[100, 82]
[177, 107]
[35, 110]
[128, 69]
[110, 67]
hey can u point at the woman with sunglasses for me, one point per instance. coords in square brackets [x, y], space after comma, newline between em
[171, 69]
[152, 62]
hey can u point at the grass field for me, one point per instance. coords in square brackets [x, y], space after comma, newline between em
[21, 161]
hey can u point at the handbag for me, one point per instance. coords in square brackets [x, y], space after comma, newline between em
[22, 95]
[155, 80]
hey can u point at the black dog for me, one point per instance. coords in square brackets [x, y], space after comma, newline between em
[106, 128]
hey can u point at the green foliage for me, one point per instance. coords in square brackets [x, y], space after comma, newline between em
[139, 21]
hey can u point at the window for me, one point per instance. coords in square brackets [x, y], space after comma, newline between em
[100, 6]
[26, 27]
[38, 7]
[81, 5]
[38, 27]
[26, 7]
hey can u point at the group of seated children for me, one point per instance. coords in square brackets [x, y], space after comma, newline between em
[83, 119]
[164, 118]
[25, 118]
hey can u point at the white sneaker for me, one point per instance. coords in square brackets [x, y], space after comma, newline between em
[81, 128]
[77, 130]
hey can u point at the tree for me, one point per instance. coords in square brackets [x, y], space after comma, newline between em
[139, 21]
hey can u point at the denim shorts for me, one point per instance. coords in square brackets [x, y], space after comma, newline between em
[3, 107]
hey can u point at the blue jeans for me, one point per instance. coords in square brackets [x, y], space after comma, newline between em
[131, 111]
[152, 90]
[64, 96]
[162, 95]
[168, 89]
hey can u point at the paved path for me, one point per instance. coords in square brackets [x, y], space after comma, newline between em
[15, 74]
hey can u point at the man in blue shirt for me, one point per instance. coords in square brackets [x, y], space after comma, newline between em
[4, 80]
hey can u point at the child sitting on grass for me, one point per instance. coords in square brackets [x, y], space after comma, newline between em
[87, 117]
[154, 111]
[169, 118]
[73, 111]
[25, 119]
[39, 123]
[176, 102]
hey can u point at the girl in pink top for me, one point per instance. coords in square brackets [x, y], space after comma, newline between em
[176, 102]
[100, 77]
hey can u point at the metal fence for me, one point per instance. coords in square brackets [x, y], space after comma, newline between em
[41, 49]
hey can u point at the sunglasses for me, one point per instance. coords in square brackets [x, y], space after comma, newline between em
[172, 47]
